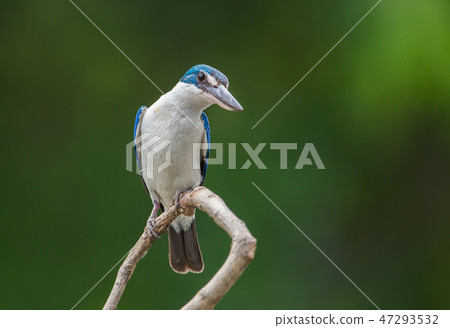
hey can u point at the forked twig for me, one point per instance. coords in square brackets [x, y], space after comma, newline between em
[242, 251]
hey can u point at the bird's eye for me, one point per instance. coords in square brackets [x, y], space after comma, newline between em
[201, 76]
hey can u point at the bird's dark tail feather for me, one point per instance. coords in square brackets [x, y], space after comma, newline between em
[184, 250]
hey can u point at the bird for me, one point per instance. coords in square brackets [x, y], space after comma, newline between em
[165, 136]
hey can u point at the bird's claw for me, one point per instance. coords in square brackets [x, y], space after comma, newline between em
[151, 224]
[177, 198]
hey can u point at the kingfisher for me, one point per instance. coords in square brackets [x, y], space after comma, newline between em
[167, 137]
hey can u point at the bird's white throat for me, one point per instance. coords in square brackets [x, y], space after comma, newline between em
[188, 98]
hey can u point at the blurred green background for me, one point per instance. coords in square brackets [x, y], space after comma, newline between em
[376, 109]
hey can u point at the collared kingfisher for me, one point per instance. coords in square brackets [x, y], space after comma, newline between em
[165, 137]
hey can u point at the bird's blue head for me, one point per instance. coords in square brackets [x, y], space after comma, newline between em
[213, 84]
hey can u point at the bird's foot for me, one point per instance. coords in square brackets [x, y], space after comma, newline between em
[151, 224]
[185, 210]
[178, 196]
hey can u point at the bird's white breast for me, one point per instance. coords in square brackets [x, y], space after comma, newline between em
[169, 130]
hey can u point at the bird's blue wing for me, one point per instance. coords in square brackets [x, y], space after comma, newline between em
[137, 135]
[138, 141]
[205, 155]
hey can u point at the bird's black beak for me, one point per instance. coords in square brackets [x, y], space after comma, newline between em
[222, 97]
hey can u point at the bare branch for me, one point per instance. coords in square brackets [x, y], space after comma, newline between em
[242, 248]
